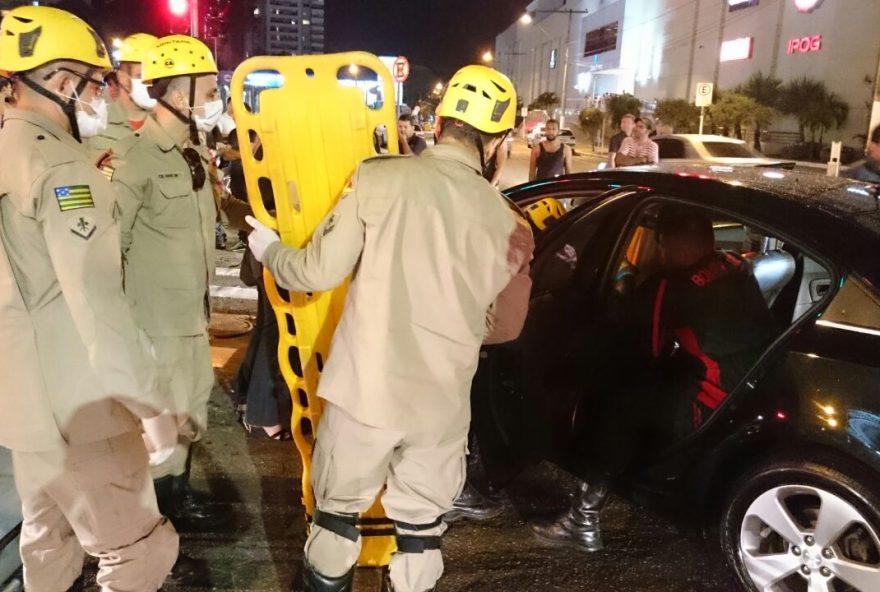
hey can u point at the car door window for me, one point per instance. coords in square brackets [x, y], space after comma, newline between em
[854, 307]
[560, 253]
[705, 326]
[670, 148]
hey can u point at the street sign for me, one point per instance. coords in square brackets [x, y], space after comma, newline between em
[400, 69]
[704, 94]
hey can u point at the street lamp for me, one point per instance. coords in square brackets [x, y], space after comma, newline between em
[528, 18]
[488, 57]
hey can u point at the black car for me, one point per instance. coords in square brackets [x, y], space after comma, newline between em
[786, 472]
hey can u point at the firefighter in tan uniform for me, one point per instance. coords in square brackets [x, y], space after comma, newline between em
[440, 267]
[167, 229]
[130, 102]
[77, 371]
[6, 98]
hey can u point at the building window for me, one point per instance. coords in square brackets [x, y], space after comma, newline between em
[601, 40]
[553, 54]
[737, 4]
[737, 49]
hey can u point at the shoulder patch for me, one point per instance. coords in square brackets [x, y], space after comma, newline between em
[83, 227]
[74, 197]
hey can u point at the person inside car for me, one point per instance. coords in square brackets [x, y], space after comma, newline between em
[690, 332]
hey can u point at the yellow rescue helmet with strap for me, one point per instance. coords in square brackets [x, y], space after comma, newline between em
[177, 55]
[544, 212]
[482, 97]
[134, 47]
[31, 36]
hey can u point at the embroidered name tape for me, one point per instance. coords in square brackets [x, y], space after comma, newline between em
[74, 197]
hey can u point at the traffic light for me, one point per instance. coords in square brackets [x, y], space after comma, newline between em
[178, 8]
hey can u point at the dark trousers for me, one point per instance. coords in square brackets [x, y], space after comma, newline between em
[643, 415]
[260, 383]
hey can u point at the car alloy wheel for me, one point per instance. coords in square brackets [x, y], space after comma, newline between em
[804, 529]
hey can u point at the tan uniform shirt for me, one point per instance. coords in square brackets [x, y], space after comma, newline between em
[70, 347]
[167, 234]
[432, 245]
[118, 129]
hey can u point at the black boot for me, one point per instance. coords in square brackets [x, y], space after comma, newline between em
[579, 526]
[188, 510]
[77, 585]
[473, 505]
[189, 572]
[309, 580]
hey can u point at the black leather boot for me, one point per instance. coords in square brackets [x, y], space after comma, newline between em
[579, 526]
[189, 572]
[309, 580]
[473, 505]
[188, 510]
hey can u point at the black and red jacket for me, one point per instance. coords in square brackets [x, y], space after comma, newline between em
[709, 323]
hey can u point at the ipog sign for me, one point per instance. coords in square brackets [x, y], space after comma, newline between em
[804, 44]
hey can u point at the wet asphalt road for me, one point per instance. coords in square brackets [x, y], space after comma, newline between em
[256, 484]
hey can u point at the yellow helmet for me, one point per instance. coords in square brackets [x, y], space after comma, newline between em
[31, 36]
[481, 97]
[544, 210]
[177, 55]
[134, 47]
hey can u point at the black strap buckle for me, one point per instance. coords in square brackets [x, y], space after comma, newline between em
[417, 544]
[345, 525]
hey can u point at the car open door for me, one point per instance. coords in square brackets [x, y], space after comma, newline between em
[523, 394]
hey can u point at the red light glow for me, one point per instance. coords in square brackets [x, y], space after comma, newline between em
[178, 7]
[781, 415]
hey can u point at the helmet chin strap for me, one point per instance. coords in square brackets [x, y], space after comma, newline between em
[69, 106]
[189, 121]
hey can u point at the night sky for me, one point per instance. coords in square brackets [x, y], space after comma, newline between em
[439, 34]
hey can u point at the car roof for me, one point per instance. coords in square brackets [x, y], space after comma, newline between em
[700, 138]
[839, 217]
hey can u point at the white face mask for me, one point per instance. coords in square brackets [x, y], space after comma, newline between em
[213, 111]
[90, 125]
[140, 95]
[226, 124]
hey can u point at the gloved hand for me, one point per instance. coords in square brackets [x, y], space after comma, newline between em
[161, 434]
[261, 237]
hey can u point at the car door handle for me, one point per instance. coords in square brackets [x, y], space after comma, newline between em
[818, 289]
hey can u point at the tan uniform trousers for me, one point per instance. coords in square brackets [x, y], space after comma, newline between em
[187, 373]
[96, 497]
[423, 473]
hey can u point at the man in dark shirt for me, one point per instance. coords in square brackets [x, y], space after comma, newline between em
[410, 142]
[550, 157]
[626, 125]
[691, 333]
[868, 169]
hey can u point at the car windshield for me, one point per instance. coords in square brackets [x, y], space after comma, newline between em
[730, 150]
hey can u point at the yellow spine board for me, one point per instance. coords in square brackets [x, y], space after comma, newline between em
[314, 132]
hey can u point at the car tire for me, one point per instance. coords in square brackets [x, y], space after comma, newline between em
[795, 496]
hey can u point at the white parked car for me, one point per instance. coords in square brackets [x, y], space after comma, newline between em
[536, 135]
[566, 136]
[721, 150]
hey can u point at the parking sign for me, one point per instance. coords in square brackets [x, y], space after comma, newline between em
[400, 70]
[704, 94]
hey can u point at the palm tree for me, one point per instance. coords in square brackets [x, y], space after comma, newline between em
[764, 89]
[804, 99]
